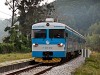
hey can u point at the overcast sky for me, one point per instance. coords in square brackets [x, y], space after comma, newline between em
[5, 13]
[4, 10]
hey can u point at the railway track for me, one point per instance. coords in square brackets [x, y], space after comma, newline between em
[22, 69]
[43, 71]
[36, 69]
[40, 66]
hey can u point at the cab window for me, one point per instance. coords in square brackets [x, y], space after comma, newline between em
[56, 33]
[39, 33]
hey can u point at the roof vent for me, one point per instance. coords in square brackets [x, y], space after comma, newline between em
[49, 20]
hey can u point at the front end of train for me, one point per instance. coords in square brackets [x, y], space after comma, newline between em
[48, 42]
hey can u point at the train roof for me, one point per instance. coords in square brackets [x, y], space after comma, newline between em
[55, 25]
[52, 25]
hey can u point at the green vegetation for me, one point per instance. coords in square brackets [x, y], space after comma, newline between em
[78, 14]
[93, 37]
[91, 66]
[13, 47]
[14, 56]
[19, 38]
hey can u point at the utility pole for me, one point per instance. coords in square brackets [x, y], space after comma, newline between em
[13, 10]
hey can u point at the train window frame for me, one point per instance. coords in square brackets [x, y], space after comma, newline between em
[66, 34]
[41, 35]
[58, 35]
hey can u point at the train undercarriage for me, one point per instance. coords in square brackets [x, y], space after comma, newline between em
[47, 59]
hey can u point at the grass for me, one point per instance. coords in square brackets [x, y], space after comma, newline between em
[91, 66]
[14, 56]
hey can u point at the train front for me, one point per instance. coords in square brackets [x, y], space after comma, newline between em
[48, 42]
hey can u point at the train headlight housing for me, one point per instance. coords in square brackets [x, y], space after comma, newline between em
[60, 45]
[35, 45]
[47, 24]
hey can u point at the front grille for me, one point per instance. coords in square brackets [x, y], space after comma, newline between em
[47, 54]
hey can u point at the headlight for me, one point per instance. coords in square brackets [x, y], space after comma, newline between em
[35, 45]
[60, 45]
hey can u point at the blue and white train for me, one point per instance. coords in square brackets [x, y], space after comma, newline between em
[53, 41]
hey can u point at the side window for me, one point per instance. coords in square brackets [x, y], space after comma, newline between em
[66, 34]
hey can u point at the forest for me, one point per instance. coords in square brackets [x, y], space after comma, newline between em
[83, 16]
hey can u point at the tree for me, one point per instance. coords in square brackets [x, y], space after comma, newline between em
[13, 7]
[31, 12]
[95, 28]
[94, 42]
[93, 37]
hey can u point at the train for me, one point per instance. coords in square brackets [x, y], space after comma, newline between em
[53, 42]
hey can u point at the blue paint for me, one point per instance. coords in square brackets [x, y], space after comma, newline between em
[52, 41]
[55, 54]
[55, 41]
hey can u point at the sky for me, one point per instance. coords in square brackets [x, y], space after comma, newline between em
[4, 10]
[5, 13]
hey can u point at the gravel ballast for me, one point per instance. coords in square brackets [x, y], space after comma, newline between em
[68, 68]
[65, 69]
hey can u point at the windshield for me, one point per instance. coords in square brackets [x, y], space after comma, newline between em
[56, 33]
[39, 33]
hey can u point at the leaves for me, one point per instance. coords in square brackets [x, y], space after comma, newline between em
[30, 12]
[7, 28]
[94, 29]
[93, 37]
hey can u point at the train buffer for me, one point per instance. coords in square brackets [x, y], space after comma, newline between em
[86, 53]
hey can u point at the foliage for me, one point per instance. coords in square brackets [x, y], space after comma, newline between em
[91, 66]
[25, 49]
[12, 47]
[7, 28]
[30, 12]
[18, 42]
[6, 48]
[78, 14]
[94, 29]
[94, 42]
[93, 37]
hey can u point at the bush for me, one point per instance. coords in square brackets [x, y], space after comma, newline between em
[9, 48]
[6, 48]
[25, 49]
